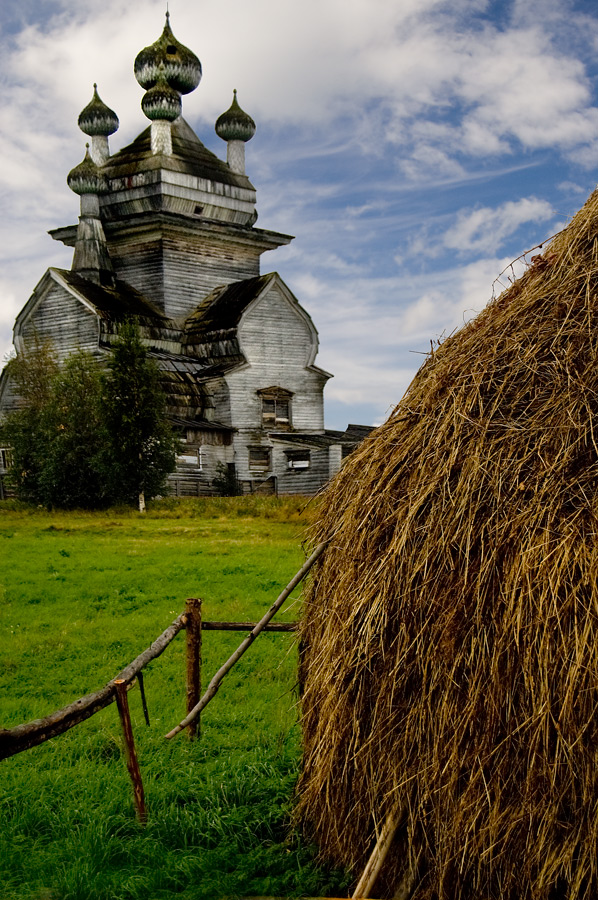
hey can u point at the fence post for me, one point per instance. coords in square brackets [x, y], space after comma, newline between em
[130, 755]
[193, 626]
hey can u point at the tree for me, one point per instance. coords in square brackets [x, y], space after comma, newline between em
[84, 438]
[143, 445]
[59, 442]
[77, 458]
[25, 430]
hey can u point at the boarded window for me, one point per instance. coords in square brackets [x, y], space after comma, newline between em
[5, 458]
[191, 458]
[276, 408]
[298, 459]
[259, 458]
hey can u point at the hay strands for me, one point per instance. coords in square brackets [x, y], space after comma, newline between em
[247, 642]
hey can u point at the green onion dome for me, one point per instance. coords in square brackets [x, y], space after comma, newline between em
[97, 118]
[182, 67]
[235, 124]
[162, 101]
[86, 178]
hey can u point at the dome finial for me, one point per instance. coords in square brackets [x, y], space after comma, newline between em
[236, 127]
[182, 67]
[86, 178]
[235, 124]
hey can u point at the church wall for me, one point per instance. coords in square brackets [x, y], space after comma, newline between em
[139, 263]
[176, 273]
[301, 481]
[193, 270]
[278, 343]
[62, 320]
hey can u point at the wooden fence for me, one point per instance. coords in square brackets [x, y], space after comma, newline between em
[30, 734]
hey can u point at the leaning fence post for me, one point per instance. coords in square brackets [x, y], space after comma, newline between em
[193, 626]
[130, 755]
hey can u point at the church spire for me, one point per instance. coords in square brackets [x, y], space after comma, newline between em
[98, 121]
[91, 258]
[235, 127]
[166, 69]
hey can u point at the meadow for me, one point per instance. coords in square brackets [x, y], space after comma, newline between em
[81, 595]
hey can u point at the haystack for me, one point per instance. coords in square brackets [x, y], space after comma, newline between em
[450, 661]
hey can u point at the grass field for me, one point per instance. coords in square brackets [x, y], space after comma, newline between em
[81, 595]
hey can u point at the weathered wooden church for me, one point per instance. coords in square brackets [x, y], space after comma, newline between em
[167, 234]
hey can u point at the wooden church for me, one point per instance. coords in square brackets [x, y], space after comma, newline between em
[167, 234]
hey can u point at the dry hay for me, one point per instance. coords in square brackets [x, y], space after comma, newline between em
[450, 662]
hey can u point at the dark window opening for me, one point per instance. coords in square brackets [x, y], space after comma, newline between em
[259, 458]
[298, 459]
[276, 408]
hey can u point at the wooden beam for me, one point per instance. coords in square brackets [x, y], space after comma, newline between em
[122, 703]
[244, 645]
[193, 614]
[29, 734]
[248, 626]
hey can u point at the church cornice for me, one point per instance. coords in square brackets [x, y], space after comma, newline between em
[160, 223]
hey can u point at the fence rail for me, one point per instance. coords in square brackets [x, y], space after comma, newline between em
[30, 734]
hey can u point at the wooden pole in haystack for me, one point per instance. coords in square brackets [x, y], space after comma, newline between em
[379, 854]
[130, 755]
[193, 626]
[244, 645]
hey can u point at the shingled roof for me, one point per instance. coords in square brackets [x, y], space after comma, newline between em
[222, 309]
[116, 302]
[189, 156]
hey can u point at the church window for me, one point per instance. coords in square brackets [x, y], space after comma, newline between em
[298, 459]
[5, 458]
[259, 459]
[276, 408]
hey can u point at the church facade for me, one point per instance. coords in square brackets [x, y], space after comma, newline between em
[167, 235]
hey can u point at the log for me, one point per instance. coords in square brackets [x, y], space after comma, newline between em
[193, 614]
[244, 645]
[379, 854]
[248, 626]
[30, 734]
[122, 703]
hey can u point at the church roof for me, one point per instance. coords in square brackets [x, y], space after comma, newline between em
[189, 156]
[115, 302]
[222, 309]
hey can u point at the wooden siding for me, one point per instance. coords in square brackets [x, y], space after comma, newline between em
[190, 480]
[301, 481]
[277, 342]
[178, 270]
[62, 319]
[193, 269]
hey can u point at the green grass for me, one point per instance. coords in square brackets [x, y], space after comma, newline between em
[80, 596]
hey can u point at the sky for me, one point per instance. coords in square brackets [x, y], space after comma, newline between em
[415, 148]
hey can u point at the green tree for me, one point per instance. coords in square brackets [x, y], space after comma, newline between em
[143, 445]
[59, 442]
[75, 472]
[25, 430]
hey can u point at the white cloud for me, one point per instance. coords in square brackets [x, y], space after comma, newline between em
[484, 230]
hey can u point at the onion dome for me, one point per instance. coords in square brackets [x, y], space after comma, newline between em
[162, 101]
[182, 67]
[235, 124]
[97, 118]
[86, 178]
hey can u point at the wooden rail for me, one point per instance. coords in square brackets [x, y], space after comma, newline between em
[22, 737]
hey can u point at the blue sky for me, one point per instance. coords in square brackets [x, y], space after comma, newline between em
[413, 147]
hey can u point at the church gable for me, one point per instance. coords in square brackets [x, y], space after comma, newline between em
[56, 314]
[275, 330]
